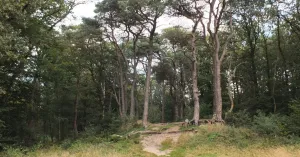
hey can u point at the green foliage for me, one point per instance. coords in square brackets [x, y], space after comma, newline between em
[238, 119]
[13, 152]
[293, 122]
[272, 124]
[154, 114]
[212, 136]
[108, 125]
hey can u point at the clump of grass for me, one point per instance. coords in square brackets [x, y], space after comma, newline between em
[166, 144]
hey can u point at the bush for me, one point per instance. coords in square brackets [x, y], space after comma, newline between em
[154, 114]
[108, 125]
[13, 152]
[294, 118]
[238, 119]
[273, 124]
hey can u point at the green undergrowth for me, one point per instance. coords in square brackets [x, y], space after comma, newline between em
[90, 147]
[209, 141]
[97, 145]
[219, 140]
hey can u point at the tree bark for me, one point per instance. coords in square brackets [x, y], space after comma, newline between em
[148, 75]
[132, 99]
[194, 78]
[76, 108]
[182, 103]
[122, 92]
[147, 89]
[217, 101]
[163, 102]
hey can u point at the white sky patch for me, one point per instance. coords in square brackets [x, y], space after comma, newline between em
[87, 10]
[82, 10]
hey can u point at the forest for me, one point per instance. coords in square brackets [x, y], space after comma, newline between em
[230, 71]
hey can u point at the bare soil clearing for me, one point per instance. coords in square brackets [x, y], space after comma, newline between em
[152, 142]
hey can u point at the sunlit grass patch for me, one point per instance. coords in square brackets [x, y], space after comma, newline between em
[166, 144]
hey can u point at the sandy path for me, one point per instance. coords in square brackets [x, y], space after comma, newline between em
[152, 143]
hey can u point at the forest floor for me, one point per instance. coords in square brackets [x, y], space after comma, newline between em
[153, 143]
[169, 140]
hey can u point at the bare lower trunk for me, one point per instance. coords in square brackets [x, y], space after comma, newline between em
[182, 103]
[109, 105]
[123, 108]
[231, 100]
[175, 103]
[230, 91]
[132, 101]
[147, 88]
[217, 90]
[75, 108]
[163, 103]
[176, 110]
[195, 85]
[59, 128]
[181, 109]
[125, 96]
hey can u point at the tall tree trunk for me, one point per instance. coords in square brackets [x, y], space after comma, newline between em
[217, 101]
[163, 102]
[109, 105]
[132, 92]
[148, 75]
[147, 90]
[182, 103]
[194, 78]
[269, 84]
[253, 71]
[75, 108]
[132, 101]
[125, 96]
[123, 105]
[176, 111]
[237, 90]
[286, 76]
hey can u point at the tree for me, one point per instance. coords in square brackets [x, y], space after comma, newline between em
[217, 12]
[194, 12]
[148, 11]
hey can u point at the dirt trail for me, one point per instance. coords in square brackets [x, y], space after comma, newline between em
[152, 143]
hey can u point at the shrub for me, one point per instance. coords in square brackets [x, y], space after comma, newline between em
[154, 114]
[240, 118]
[293, 122]
[273, 124]
[108, 125]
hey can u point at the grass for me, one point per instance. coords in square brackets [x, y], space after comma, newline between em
[166, 144]
[209, 141]
[88, 147]
[226, 141]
